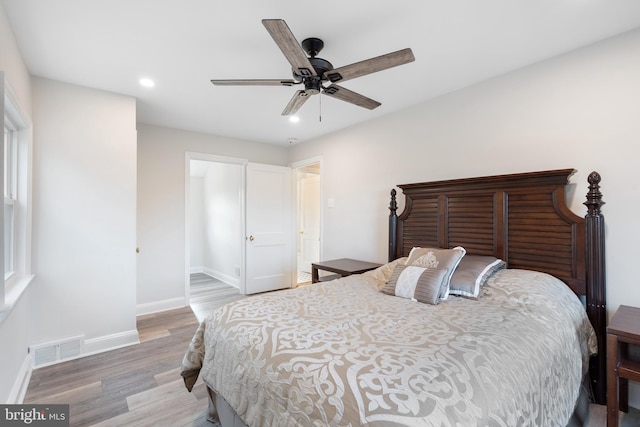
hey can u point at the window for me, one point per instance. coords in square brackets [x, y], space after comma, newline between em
[17, 201]
[10, 194]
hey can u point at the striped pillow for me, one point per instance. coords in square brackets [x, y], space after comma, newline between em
[437, 258]
[417, 283]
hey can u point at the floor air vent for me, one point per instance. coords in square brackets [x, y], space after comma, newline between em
[47, 354]
[44, 355]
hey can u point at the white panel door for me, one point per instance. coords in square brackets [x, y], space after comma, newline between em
[269, 228]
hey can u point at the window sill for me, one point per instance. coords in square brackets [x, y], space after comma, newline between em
[15, 288]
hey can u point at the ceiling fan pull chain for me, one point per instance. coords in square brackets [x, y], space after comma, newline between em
[320, 112]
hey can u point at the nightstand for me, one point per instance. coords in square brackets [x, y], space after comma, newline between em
[342, 267]
[623, 329]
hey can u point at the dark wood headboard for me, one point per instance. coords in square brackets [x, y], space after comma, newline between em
[522, 219]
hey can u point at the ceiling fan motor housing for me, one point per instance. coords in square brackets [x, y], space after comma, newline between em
[320, 65]
[312, 85]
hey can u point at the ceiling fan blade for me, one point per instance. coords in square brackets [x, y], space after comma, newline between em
[343, 94]
[289, 46]
[298, 99]
[369, 66]
[267, 82]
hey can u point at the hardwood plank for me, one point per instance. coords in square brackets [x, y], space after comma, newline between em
[153, 334]
[168, 376]
[89, 391]
[165, 394]
[182, 410]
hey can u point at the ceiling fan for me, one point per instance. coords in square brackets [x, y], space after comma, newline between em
[314, 72]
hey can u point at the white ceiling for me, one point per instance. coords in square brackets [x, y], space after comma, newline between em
[182, 44]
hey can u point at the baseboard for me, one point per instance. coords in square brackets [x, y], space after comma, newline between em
[229, 280]
[97, 345]
[197, 269]
[156, 306]
[90, 347]
[19, 389]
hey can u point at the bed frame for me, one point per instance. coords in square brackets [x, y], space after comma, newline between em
[522, 219]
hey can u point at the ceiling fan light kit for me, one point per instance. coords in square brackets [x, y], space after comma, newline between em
[312, 71]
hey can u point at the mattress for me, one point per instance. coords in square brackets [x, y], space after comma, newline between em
[342, 353]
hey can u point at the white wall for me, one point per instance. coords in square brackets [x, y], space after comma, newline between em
[223, 242]
[11, 63]
[215, 224]
[196, 224]
[14, 329]
[162, 270]
[580, 110]
[84, 216]
[14, 358]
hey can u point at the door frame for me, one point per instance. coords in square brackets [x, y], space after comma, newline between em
[190, 155]
[299, 165]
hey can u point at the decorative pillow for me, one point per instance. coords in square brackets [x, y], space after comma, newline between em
[419, 283]
[437, 258]
[472, 273]
[383, 273]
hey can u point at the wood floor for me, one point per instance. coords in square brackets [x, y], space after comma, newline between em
[140, 385]
[598, 417]
[208, 293]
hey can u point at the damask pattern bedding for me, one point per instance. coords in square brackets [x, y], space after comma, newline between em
[341, 353]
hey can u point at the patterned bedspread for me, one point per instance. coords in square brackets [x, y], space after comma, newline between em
[341, 353]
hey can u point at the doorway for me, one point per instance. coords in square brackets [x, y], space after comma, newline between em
[214, 218]
[307, 176]
[226, 197]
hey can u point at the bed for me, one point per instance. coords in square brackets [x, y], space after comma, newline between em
[504, 346]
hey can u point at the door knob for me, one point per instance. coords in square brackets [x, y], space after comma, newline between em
[251, 238]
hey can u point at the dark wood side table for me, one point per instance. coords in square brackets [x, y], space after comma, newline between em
[623, 329]
[342, 267]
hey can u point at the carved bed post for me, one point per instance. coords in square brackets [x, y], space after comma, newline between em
[393, 223]
[596, 281]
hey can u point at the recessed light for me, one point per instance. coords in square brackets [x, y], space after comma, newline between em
[147, 82]
[294, 119]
